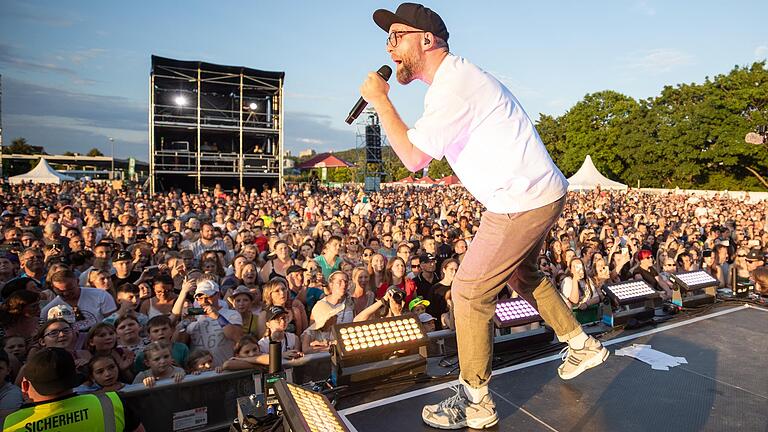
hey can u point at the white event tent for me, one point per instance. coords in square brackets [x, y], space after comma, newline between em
[588, 178]
[42, 173]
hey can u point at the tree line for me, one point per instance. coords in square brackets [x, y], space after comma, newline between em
[689, 136]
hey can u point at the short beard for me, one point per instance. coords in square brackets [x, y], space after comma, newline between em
[407, 71]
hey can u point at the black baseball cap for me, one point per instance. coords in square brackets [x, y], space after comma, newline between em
[755, 254]
[414, 15]
[275, 311]
[123, 256]
[294, 268]
[51, 371]
[426, 257]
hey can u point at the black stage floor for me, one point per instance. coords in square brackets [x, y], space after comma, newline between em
[723, 387]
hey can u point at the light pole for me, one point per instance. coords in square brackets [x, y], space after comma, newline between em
[112, 171]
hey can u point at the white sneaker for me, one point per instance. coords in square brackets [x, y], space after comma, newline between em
[577, 361]
[458, 412]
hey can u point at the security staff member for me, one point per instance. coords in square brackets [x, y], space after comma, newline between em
[49, 377]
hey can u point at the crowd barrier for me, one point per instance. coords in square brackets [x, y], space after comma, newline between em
[208, 402]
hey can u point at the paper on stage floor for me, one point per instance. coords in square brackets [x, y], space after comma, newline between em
[657, 359]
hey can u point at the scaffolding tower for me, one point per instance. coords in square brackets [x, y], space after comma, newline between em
[371, 141]
[214, 124]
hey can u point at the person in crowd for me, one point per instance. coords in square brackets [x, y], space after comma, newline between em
[315, 284]
[242, 300]
[124, 269]
[437, 304]
[395, 275]
[32, 264]
[647, 272]
[11, 397]
[159, 361]
[91, 305]
[319, 336]
[377, 269]
[576, 288]
[248, 355]
[102, 341]
[20, 314]
[16, 347]
[104, 374]
[48, 382]
[206, 242]
[393, 303]
[199, 361]
[278, 263]
[358, 289]
[59, 333]
[100, 279]
[129, 332]
[338, 284]
[234, 277]
[329, 260]
[160, 329]
[163, 299]
[277, 330]
[217, 328]
[427, 321]
[427, 277]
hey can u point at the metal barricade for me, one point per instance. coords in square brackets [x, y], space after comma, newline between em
[208, 402]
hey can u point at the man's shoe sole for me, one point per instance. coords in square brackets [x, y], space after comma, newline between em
[476, 424]
[593, 361]
[484, 423]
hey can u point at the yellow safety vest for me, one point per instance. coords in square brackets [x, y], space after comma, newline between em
[81, 413]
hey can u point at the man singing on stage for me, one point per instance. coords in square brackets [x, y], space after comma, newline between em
[476, 123]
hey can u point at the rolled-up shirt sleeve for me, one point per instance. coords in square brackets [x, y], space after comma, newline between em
[446, 118]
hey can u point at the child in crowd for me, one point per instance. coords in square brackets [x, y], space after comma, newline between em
[277, 324]
[159, 329]
[158, 358]
[248, 355]
[129, 333]
[127, 301]
[16, 346]
[10, 395]
[104, 375]
[199, 361]
[102, 341]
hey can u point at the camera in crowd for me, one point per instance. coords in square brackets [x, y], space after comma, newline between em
[396, 294]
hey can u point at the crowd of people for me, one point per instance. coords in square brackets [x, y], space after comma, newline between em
[143, 288]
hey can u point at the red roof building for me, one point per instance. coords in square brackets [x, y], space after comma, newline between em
[324, 160]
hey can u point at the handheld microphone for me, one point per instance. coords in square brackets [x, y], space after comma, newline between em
[385, 72]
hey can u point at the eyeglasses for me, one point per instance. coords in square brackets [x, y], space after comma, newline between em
[393, 37]
[53, 333]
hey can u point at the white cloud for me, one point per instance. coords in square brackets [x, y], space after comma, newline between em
[516, 87]
[761, 52]
[655, 61]
[310, 141]
[119, 134]
[644, 8]
[79, 56]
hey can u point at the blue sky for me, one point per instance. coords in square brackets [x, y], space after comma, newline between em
[76, 72]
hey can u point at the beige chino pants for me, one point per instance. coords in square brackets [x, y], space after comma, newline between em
[505, 248]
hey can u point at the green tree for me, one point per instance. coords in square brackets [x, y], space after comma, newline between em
[94, 152]
[439, 169]
[20, 146]
[340, 175]
[691, 135]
